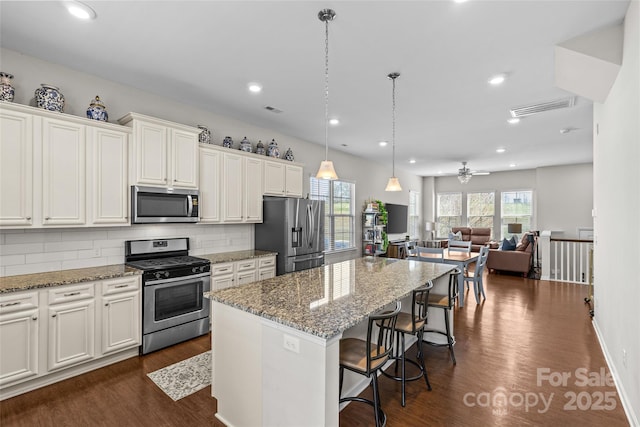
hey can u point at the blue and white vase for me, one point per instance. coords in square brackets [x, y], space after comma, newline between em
[49, 97]
[260, 148]
[97, 110]
[273, 150]
[227, 142]
[205, 136]
[245, 145]
[7, 91]
[288, 155]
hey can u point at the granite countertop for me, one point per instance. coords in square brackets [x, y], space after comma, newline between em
[65, 277]
[327, 300]
[235, 256]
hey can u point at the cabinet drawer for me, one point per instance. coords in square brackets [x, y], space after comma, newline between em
[221, 269]
[71, 293]
[18, 301]
[110, 287]
[267, 261]
[248, 264]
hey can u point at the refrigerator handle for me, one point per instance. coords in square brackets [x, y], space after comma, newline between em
[310, 226]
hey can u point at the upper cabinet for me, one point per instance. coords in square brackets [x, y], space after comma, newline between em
[59, 170]
[163, 154]
[282, 179]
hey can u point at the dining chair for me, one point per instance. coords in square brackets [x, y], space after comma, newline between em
[422, 254]
[476, 278]
[459, 246]
[367, 357]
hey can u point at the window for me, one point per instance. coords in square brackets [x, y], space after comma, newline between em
[517, 206]
[414, 214]
[449, 212]
[339, 217]
[481, 209]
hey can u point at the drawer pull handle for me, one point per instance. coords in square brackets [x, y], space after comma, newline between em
[9, 304]
[122, 286]
[71, 294]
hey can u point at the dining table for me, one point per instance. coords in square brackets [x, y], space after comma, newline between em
[457, 258]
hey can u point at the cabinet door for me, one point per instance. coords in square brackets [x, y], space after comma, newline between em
[246, 277]
[293, 181]
[232, 178]
[151, 154]
[71, 333]
[267, 273]
[120, 321]
[184, 165]
[63, 172]
[253, 190]
[18, 346]
[274, 178]
[16, 168]
[210, 176]
[109, 189]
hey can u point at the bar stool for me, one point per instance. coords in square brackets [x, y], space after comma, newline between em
[446, 303]
[367, 357]
[413, 324]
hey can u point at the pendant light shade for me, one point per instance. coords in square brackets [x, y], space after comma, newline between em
[326, 170]
[393, 184]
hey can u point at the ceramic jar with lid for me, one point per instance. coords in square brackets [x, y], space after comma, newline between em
[227, 142]
[273, 150]
[205, 136]
[288, 155]
[7, 91]
[49, 97]
[260, 148]
[97, 110]
[245, 145]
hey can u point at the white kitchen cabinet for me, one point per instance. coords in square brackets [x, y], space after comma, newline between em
[210, 184]
[63, 172]
[121, 315]
[222, 276]
[253, 190]
[71, 325]
[19, 329]
[241, 190]
[281, 179]
[266, 267]
[225, 275]
[108, 185]
[246, 271]
[163, 153]
[16, 168]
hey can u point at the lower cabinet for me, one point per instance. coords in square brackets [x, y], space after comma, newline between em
[228, 274]
[44, 332]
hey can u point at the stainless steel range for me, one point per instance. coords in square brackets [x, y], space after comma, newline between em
[174, 308]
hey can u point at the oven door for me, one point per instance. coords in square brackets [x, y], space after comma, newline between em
[175, 301]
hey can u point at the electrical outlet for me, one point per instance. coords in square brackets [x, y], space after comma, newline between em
[291, 343]
[624, 357]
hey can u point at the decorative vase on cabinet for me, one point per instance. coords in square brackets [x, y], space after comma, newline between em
[7, 91]
[272, 150]
[97, 110]
[227, 142]
[49, 97]
[245, 145]
[205, 136]
[260, 148]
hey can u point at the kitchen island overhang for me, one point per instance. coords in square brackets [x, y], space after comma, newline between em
[275, 343]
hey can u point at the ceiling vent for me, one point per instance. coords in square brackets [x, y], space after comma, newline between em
[528, 110]
[273, 109]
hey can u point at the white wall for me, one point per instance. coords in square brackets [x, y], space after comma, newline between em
[79, 88]
[562, 195]
[617, 219]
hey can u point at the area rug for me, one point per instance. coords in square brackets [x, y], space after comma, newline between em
[184, 378]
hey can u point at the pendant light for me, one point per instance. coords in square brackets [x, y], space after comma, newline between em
[326, 170]
[393, 184]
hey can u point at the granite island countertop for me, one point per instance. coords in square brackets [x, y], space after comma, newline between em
[48, 279]
[236, 255]
[328, 300]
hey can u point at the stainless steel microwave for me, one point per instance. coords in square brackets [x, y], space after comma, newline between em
[157, 205]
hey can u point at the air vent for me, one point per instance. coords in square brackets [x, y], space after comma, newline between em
[528, 110]
[273, 109]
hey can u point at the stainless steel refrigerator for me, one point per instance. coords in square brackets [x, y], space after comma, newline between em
[295, 229]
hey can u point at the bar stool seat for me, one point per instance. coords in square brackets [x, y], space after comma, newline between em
[446, 303]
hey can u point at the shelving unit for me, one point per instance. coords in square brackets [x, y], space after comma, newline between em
[372, 234]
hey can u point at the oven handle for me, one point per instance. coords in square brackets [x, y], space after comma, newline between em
[177, 279]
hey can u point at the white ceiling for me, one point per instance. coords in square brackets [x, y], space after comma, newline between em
[204, 53]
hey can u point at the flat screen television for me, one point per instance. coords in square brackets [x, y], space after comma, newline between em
[397, 217]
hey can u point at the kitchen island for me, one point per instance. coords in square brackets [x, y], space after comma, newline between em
[275, 343]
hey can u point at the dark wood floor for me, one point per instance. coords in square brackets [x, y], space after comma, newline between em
[524, 325]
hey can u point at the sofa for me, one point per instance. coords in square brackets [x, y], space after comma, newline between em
[517, 261]
[479, 236]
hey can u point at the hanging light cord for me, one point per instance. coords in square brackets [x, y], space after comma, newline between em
[393, 128]
[326, 89]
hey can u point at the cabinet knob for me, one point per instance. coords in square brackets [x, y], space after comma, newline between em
[28, 218]
[47, 218]
[34, 318]
[106, 304]
[53, 315]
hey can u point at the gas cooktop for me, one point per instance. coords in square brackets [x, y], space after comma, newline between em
[169, 262]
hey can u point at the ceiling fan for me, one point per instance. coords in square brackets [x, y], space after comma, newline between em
[465, 174]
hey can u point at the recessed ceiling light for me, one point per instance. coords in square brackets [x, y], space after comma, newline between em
[80, 10]
[498, 79]
[501, 150]
[382, 143]
[512, 165]
[513, 120]
[412, 161]
[459, 1]
[334, 122]
[254, 87]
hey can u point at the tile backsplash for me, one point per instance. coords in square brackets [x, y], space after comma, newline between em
[27, 251]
